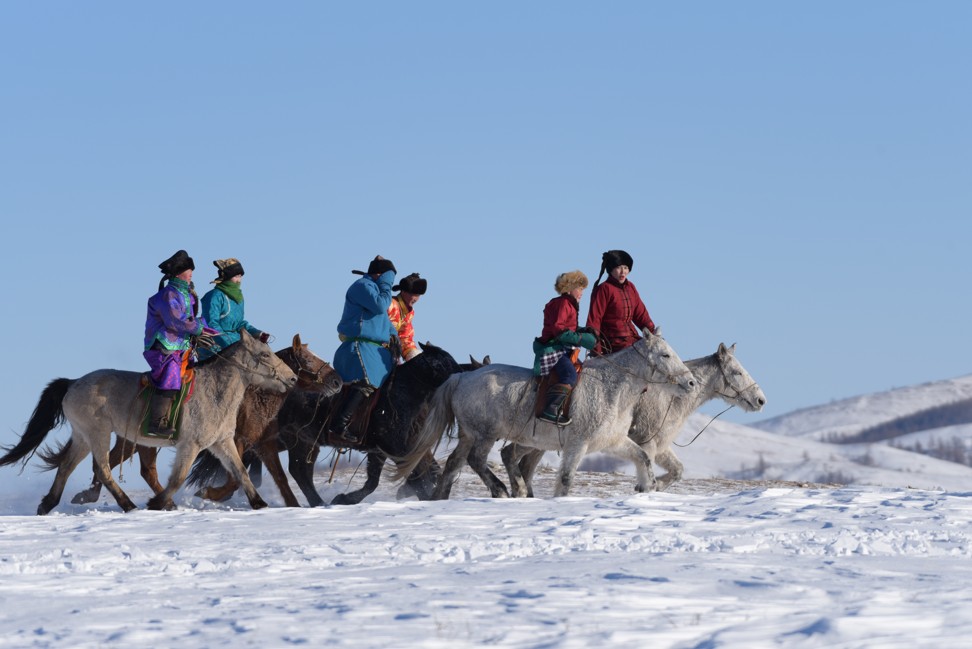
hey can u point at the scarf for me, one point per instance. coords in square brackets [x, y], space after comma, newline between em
[233, 291]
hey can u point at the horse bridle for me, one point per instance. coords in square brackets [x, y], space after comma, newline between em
[316, 378]
[728, 381]
[669, 378]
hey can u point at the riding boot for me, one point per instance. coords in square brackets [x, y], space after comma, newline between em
[158, 424]
[340, 425]
[556, 395]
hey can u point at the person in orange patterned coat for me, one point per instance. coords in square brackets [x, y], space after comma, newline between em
[402, 310]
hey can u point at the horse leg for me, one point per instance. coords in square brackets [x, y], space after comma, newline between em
[267, 450]
[121, 451]
[70, 457]
[228, 488]
[629, 449]
[452, 468]
[667, 460]
[186, 452]
[528, 467]
[422, 481]
[571, 458]
[226, 452]
[376, 461]
[510, 453]
[147, 456]
[477, 461]
[301, 460]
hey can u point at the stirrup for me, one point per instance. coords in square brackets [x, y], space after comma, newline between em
[161, 433]
[561, 420]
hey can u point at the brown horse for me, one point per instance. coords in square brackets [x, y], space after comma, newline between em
[256, 428]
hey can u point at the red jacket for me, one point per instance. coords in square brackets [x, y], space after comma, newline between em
[614, 307]
[559, 314]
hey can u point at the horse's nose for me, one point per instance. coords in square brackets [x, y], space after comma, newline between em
[761, 401]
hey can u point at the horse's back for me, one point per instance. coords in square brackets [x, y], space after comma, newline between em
[101, 396]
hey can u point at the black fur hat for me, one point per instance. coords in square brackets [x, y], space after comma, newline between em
[177, 263]
[377, 266]
[614, 258]
[412, 284]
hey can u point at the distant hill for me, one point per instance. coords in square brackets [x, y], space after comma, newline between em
[950, 414]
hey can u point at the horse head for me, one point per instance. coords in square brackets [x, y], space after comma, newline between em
[314, 374]
[260, 366]
[738, 387]
[665, 363]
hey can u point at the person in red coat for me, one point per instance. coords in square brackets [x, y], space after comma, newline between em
[617, 312]
[555, 345]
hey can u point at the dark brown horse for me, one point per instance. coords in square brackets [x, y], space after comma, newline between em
[256, 428]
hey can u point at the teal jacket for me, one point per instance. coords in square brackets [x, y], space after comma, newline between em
[226, 316]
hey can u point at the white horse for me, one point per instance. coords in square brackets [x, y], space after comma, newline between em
[497, 402]
[106, 401]
[659, 418]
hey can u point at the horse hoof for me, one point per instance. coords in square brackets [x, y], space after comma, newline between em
[85, 497]
[341, 499]
[161, 504]
[258, 504]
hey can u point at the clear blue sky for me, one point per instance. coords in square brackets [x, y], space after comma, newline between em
[792, 177]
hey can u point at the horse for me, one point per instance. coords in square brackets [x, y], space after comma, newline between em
[658, 418]
[399, 408]
[106, 400]
[497, 401]
[256, 430]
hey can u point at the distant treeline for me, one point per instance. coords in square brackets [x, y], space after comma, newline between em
[950, 414]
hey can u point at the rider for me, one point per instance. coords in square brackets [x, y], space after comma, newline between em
[367, 335]
[170, 326]
[222, 308]
[615, 305]
[560, 336]
[402, 309]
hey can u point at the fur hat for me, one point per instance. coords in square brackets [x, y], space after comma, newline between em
[377, 266]
[177, 264]
[567, 282]
[228, 268]
[614, 258]
[412, 284]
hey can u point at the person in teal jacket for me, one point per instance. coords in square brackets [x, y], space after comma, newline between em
[368, 339]
[223, 309]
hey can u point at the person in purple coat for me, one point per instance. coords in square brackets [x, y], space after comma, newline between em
[170, 326]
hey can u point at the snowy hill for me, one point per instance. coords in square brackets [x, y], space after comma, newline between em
[850, 416]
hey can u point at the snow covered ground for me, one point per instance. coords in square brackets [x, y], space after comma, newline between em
[709, 564]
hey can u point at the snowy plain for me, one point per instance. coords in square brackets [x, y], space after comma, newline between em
[717, 561]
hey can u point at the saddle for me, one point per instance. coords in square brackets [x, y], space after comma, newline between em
[147, 389]
[360, 420]
[543, 384]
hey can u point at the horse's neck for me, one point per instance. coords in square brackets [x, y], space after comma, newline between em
[708, 375]
[222, 385]
[618, 379]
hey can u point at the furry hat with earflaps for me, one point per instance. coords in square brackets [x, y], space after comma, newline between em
[412, 284]
[567, 282]
[377, 266]
[228, 268]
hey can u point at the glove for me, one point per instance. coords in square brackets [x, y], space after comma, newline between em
[587, 330]
[264, 337]
[395, 347]
[588, 340]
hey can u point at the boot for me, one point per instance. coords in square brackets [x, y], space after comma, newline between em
[158, 425]
[340, 423]
[556, 395]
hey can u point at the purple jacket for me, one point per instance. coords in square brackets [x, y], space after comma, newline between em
[169, 319]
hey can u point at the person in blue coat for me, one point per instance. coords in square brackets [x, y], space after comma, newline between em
[223, 309]
[367, 337]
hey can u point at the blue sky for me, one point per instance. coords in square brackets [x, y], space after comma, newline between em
[791, 177]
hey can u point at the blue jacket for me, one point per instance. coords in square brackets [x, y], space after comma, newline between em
[169, 317]
[226, 316]
[364, 329]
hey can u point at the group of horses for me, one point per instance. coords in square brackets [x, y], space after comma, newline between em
[249, 401]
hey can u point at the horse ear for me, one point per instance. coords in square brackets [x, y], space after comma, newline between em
[722, 351]
[486, 360]
[732, 348]
[297, 344]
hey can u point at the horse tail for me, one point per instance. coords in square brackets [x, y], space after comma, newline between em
[440, 418]
[206, 470]
[48, 415]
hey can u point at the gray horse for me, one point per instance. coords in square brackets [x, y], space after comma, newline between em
[659, 418]
[105, 401]
[497, 402]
